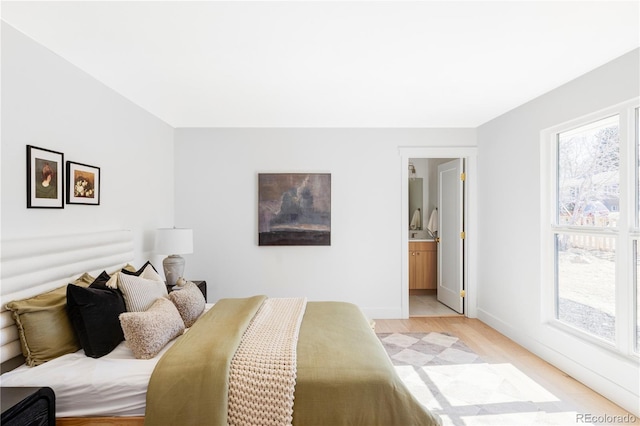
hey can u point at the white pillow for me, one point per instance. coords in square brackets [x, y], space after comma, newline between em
[140, 293]
[151, 274]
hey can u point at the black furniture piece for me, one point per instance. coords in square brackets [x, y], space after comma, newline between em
[202, 285]
[28, 406]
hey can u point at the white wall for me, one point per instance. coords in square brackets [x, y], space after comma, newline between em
[49, 103]
[216, 194]
[510, 224]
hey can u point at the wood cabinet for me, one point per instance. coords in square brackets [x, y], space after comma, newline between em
[423, 260]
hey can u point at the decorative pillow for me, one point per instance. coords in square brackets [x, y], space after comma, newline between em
[140, 293]
[113, 280]
[189, 301]
[143, 270]
[84, 280]
[147, 271]
[94, 314]
[128, 267]
[150, 273]
[148, 332]
[101, 281]
[43, 324]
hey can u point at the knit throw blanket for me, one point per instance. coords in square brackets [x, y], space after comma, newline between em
[262, 374]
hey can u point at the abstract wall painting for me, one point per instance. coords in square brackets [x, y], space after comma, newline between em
[294, 209]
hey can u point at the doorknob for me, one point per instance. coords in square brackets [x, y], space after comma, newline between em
[437, 239]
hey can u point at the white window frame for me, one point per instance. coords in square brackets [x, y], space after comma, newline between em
[625, 233]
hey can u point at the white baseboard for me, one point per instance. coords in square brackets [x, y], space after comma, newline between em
[625, 398]
[382, 313]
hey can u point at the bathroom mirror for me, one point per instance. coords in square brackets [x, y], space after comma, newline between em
[415, 199]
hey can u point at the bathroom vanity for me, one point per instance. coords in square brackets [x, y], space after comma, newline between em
[423, 261]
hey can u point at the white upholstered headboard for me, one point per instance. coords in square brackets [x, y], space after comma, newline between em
[35, 265]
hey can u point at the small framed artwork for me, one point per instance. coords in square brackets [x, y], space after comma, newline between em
[45, 178]
[83, 184]
[294, 209]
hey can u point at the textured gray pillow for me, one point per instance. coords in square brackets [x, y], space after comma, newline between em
[148, 332]
[190, 302]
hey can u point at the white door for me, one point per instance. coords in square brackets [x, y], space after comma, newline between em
[450, 233]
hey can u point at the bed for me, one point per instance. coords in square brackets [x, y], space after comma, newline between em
[342, 374]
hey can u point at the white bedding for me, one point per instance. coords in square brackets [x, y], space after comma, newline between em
[114, 385]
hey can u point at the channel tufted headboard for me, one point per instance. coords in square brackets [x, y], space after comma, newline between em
[35, 265]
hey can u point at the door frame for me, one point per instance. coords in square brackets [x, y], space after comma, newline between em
[470, 155]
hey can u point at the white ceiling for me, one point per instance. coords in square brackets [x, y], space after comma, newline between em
[331, 63]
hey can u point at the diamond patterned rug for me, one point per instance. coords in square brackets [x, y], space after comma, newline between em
[455, 383]
[419, 349]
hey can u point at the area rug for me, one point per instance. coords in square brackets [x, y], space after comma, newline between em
[454, 382]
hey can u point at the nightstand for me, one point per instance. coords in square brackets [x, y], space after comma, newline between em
[28, 406]
[202, 285]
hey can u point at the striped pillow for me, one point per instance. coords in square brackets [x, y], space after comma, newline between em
[147, 271]
[140, 293]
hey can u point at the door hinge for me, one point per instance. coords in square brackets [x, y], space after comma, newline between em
[463, 176]
[463, 293]
[462, 235]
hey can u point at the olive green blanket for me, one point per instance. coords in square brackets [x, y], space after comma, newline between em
[344, 376]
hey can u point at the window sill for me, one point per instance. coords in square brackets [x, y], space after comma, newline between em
[590, 339]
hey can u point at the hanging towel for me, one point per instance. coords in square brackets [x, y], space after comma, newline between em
[415, 220]
[432, 226]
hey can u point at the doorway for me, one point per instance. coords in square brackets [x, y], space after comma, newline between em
[424, 302]
[436, 193]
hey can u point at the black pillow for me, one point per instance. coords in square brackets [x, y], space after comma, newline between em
[101, 284]
[94, 314]
[139, 271]
[101, 281]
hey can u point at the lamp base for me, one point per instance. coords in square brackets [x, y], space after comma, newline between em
[173, 268]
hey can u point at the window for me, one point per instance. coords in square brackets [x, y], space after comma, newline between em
[636, 298]
[593, 231]
[636, 263]
[588, 172]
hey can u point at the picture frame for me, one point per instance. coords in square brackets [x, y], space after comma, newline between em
[294, 209]
[45, 178]
[83, 184]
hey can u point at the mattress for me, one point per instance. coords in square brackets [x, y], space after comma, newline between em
[113, 385]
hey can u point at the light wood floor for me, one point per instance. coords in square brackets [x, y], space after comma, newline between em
[494, 347]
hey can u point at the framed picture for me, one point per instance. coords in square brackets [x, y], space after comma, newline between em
[83, 184]
[45, 178]
[294, 209]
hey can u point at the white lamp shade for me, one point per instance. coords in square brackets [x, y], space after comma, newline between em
[174, 241]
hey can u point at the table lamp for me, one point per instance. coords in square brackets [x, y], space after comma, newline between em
[173, 242]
